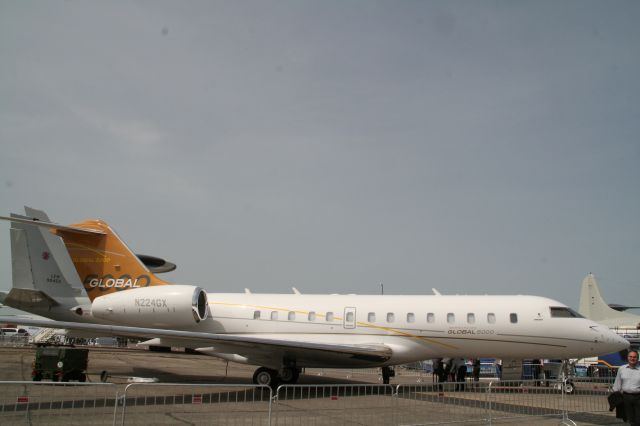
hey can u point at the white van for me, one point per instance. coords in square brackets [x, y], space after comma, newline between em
[12, 331]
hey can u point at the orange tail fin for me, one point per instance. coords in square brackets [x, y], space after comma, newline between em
[103, 261]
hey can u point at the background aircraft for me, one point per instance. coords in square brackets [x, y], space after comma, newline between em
[593, 306]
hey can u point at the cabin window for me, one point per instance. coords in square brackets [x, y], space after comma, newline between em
[513, 318]
[391, 317]
[292, 316]
[491, 318]
[350, 317]
[312, 316]
[329, 316]
[411, 317]
[274, 315]
[256, 314]
[431, 318]
[564, 312]
[371, 317]
[451, 318]
[471, 318]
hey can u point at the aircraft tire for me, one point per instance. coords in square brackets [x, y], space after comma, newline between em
[569, 387]
[290, 375]
[265, 376]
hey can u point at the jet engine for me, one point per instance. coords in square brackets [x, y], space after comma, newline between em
[165, 306]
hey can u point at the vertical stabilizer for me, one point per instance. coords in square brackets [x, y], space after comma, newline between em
[43, 277]
[593, 306]
[103, 261]
[591, 302]
[20, 260]
[52, 261]
[40, 261]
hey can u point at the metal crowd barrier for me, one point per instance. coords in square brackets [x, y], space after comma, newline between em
[334, 404]
[166, 403]
[442, 403]
[50, 403]
[14, 341]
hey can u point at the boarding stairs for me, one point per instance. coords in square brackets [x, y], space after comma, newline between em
[48, 335]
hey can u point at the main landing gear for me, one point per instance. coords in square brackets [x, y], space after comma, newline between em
[269, 377]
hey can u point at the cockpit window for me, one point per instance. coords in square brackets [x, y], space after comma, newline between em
[564, 312]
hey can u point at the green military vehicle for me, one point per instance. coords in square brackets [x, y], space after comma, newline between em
[60, 363]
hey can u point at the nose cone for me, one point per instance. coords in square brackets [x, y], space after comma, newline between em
[622, 343]
[612, 342]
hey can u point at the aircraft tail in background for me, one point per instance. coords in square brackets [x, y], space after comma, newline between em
[593, 306]
[44, 277]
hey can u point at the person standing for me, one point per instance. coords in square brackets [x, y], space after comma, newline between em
[476, 370]
[437, 369]
[536, 366]
[446, 368]
[461, 374]
[628, 382]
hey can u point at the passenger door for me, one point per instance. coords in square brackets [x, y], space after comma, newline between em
[349, 317]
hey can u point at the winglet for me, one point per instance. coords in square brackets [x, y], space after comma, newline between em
[436, 292]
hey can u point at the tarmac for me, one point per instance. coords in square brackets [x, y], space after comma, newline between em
[168, 367]
[122, 364]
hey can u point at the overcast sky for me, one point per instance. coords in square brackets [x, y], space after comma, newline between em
[476, 147]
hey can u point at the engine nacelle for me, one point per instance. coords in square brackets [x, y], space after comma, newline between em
[167, 306]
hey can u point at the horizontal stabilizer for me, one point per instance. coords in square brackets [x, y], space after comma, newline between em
[20, 298]
[56, 226]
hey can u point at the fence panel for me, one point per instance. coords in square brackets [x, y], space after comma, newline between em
[334, 404]
[210, 404]
[442, 403]
[40, 403]
[524, 398]
[589, 399]
[14, 341]
[50, 403]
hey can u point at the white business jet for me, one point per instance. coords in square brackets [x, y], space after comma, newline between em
[283, 333]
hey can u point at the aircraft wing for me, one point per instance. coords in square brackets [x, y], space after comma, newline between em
[259, 350]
